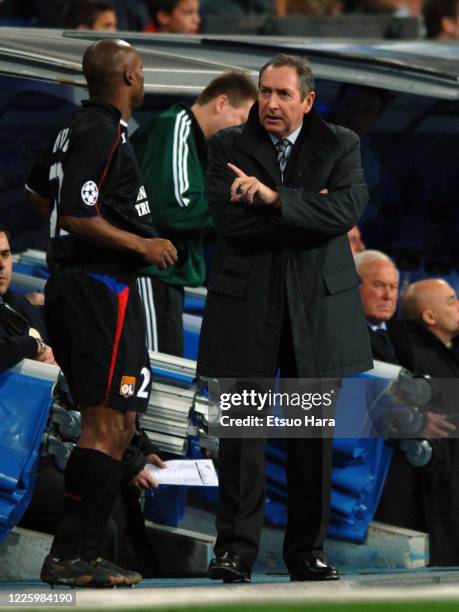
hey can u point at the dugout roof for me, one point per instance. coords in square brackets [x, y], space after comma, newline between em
[177, 64]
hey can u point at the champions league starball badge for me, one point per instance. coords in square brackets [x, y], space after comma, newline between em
[89, 193]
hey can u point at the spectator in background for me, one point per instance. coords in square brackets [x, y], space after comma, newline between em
[21, 326]
[379, 292]
[174, 16]
[308, 7]
[402, 502]
[131, 14]
[355, 240]
[174, 176]
[431, 309]
[97, 15]
[441, 19]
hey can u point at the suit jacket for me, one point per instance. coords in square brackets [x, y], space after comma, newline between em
[301, 253]
[397, 332]
[15, 343]
[402, 501]
[379, 348]
[424, 353]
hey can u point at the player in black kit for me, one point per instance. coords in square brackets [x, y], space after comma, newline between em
[100, 237]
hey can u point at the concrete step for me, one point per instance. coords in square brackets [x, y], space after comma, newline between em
[386, 546]
[22, 554]
[183, 552]
[186, 551]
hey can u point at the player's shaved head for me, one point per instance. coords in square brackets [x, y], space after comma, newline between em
[105, 62]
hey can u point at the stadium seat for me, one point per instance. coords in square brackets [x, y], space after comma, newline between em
[25, 402]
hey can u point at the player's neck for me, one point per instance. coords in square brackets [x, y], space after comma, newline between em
[118, 102]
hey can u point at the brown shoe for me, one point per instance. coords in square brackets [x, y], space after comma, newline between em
[129, 577]
[77, 572]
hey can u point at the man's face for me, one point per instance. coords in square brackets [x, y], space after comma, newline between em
[281, 107]
[379, 290]
[229, 115]
[451, 26]
[6, 264]
[444, 306]
[184, 19]
[105, 21]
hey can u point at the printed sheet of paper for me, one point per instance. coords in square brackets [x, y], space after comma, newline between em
[191, 472]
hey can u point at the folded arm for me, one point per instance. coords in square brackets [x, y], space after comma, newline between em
[336, 211]
[237, 220]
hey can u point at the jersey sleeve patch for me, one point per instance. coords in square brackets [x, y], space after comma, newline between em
[89, 193]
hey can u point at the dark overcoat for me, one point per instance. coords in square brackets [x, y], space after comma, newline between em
[402, 501]
[297, 257]
[424, 353]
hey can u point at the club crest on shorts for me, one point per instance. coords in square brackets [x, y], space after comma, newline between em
[89, 193]
[127, 387]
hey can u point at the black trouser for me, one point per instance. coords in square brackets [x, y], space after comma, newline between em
[242, 487]
[163, 305]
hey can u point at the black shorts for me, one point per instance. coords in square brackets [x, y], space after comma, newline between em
[96, 326]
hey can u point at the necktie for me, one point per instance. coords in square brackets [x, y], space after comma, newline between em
[383, 334]
[281, 146]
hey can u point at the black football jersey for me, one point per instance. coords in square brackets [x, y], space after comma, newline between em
[91, 170]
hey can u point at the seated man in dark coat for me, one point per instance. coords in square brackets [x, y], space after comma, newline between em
[402, 502]
[431, 309]
[21, 325]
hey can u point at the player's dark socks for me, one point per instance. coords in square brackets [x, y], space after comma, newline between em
[92, 482]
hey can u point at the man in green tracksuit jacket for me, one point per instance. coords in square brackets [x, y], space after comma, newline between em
[172, 152]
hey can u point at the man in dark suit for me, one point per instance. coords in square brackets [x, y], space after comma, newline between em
[21, 325]
[403, 500]
[431, 309]
[379, 292]
[283, 191]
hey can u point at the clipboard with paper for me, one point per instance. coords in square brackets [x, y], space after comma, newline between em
[190, 472]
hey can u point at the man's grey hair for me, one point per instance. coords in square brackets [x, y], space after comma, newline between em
[370, 256]
[301, 66]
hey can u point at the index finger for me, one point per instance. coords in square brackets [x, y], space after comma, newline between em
[236, 170]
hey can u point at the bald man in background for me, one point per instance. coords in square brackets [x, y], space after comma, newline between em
[431, 305]
[100, 237]
[431, 310]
